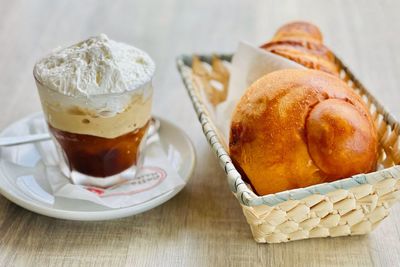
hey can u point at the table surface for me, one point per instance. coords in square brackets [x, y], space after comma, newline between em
[203, 225]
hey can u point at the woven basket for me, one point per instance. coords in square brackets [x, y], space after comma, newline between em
[350, 206]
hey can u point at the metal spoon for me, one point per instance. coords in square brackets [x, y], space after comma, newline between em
[25, 139]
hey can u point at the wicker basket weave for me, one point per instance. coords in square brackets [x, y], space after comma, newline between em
[350, 206]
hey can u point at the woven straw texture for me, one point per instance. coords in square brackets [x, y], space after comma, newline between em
[350, 206]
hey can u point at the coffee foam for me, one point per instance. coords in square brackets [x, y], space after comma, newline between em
[77, 115]
[95, 66]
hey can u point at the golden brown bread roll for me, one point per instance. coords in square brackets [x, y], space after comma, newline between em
[302, 43]
[295, 128]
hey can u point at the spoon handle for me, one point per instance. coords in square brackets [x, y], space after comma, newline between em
[24, 139]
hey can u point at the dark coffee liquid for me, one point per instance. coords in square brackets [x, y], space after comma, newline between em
[98, 156]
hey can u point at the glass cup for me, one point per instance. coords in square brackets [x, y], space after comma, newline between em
[99, 139]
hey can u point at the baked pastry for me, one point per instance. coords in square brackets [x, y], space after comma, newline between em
[302, 43]
[294, 128]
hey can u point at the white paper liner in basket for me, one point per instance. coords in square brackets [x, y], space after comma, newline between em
[345, 207]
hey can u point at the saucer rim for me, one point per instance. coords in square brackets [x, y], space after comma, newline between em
[108, 213]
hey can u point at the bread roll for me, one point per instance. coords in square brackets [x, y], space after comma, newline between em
[302, 43]
[295, 128]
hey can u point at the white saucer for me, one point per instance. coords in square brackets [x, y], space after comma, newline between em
[26, 157]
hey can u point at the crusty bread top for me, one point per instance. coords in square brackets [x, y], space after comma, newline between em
[302, 43]
[299, 30]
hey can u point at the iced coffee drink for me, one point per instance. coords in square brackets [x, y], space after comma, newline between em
[96, 96]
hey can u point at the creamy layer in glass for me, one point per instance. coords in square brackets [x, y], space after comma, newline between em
[96, 96]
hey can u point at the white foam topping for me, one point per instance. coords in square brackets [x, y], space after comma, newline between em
[96, 66]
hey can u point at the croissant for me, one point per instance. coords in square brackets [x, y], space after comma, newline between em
[294, 128]
[302, 43]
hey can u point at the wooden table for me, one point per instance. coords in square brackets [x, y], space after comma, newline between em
[203, 225]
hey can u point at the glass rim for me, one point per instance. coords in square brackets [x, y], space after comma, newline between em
[144, 84]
